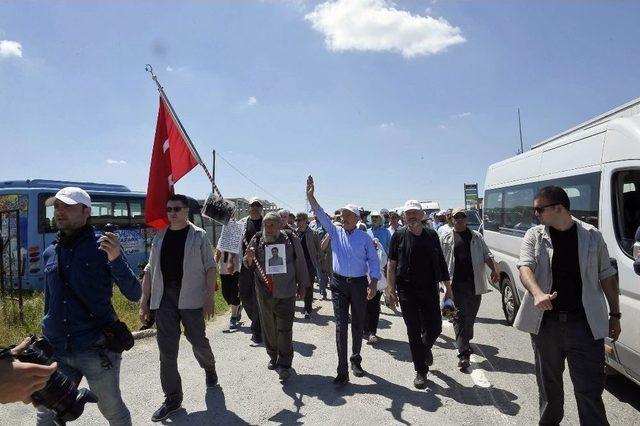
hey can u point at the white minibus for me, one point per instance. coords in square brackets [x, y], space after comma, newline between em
[598, 164]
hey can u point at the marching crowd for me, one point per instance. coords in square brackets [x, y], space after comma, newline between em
[427, 266]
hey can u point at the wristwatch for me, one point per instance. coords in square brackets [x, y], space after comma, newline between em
[617, 315]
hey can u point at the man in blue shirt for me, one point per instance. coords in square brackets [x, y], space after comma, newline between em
[379, 231]
[81, 270]
[353, 257]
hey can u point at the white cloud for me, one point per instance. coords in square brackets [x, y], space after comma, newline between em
[386, 126]
[10, 48]
[174, 69]
[462, 115]
[376, 25]
[118, 162]
[252, 101]
[442, 126]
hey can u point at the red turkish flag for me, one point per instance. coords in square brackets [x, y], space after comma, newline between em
[171, 159]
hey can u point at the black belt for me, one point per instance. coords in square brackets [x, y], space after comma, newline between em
[565, 316]
[348, 279]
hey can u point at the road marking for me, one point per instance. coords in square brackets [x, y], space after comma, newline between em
[477, 374]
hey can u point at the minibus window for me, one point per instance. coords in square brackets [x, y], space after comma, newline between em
[626, 207]
[584, 194]
[518, 208]
[493, 210]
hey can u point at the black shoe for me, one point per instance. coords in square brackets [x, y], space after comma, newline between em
[284, 374]
[420, 382]
[166, 409]
[341, 379]
[256, 338]
[212, 378]
[464, 362]
[356, 368]
[271, 365]
[429, 357]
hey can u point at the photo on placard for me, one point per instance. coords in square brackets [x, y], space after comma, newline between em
[276, 261]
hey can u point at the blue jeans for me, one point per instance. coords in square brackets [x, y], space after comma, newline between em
[323, 280]
[105, 383]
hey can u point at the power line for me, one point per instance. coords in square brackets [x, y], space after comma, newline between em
[252, 181]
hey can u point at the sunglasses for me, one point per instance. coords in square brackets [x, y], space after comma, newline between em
[539, 210]
[174, 209]
[459, 217]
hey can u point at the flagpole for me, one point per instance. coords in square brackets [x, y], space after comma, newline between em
[181, 128]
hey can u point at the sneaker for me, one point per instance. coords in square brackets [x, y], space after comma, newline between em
[284, 374]
[373, 339]
[166, 409]
[356, 368]
[271, 365]
[420, 382]
[233, 324]
[341, 379]
[211, 378]
[429, 357]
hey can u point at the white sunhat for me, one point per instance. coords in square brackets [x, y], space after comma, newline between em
[352, 208]
[411, 205]
[70, 195]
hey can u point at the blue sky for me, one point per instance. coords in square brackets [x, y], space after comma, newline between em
[379, 101]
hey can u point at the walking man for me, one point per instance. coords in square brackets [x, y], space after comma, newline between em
[565, 267]
[276, 293]
[353, 256]
[79, 276]
[311, 247]
[180, 279]
[416, 266]
[252, 224]
[229, 268]
[466, 254]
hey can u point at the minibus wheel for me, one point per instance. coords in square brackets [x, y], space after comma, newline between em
[509, 301]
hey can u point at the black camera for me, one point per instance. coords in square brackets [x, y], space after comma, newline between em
[60, 394]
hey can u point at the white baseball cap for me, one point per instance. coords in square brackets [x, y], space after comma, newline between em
[375, 214]
[70, 195]
[352, 208]
[255, 200]
[412, 205]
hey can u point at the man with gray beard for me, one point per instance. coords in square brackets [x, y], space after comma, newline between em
[276, 293]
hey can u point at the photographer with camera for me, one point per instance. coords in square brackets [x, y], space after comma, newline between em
[81, 328]
[18, 380]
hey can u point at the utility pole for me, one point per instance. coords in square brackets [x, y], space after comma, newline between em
[520, 128]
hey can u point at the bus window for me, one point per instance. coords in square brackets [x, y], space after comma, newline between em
[136, 209]
[109, 211]
[518, 208]
[626, 203]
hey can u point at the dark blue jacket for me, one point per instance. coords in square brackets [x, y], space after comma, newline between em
[89, 273]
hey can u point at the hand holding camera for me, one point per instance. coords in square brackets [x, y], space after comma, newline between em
[109, 242]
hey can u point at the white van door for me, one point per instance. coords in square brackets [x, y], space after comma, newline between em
[620, 218]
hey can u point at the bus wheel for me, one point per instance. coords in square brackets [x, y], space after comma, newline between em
[509, 302]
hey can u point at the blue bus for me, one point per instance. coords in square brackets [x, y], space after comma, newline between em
[27, 227]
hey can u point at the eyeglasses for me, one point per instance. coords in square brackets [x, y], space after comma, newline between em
[539, 210]
[174, 209]
[459, 217]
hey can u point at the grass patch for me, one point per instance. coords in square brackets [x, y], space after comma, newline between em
[13, 330]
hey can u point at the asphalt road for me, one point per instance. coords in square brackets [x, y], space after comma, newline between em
[499, 389]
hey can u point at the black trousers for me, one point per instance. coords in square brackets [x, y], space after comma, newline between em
[247, 291]
[230, 290]
[468, 304]
[422, 316]
[372, 315]
[569, 338]
[308, 295]
[349, 293]
[168, 319]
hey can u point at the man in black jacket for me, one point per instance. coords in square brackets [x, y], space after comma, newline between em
[416, 266]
